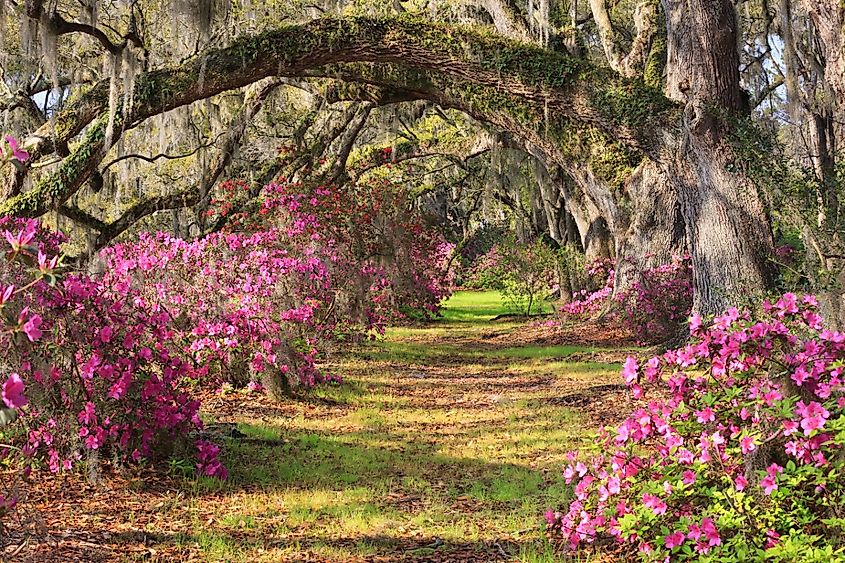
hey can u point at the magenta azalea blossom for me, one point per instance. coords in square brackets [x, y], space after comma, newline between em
[629, 370]
[6, 294]
[654, 503]
[674, 540]
[813, 416]
[13, 392]
[17, 152]
[747, 444]
[32, 328]
[708, 528]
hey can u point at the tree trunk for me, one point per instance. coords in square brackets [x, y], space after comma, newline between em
[702, 63]
[656, 234]
[829, 19]
[822, 149]
[728, 232]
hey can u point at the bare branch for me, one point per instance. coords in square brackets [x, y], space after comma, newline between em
[152, 159]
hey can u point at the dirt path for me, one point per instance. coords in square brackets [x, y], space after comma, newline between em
[444, 443]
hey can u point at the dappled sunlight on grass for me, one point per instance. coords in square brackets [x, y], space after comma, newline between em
[473, 306]
[439, 442]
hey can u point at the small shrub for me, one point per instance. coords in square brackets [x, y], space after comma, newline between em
[658, 303]
[738, 456]
[522, 272]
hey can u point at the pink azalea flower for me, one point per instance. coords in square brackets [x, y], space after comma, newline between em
[814, 416]
[17, 152]
[674, 540]
[705, 415]
[789, 427]
[708, 528]
[688, 477]
[685, 456]
[695, 323]
[629, 370]
[32, 327]
[746, 444]
[769, 482]
[773, 539]
[654, 503]
[13, 390]
[105, 334]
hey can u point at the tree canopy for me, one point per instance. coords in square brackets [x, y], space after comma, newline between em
[649, 119]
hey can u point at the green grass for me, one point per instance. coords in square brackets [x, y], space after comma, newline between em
[474, 307]
[480, 306]
[438, 443]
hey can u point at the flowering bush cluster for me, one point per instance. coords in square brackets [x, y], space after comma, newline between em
[738, 456]
[658, 302]
[653, 309]
[103, 366]
[91, 368]
[374, 232]
[585, 302]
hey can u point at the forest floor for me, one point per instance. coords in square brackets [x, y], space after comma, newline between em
[445, 442]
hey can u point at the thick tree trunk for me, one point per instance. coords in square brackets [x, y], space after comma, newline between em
[702, 63]
[656, 234]
[829, 19]
[728, 232]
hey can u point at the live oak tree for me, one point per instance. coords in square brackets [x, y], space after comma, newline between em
[640, 134]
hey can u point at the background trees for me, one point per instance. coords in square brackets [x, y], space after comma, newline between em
[636, 129]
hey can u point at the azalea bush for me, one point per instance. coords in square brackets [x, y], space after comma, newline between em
[653, 309]
[104, 367]
[266, 299]
[91, 368]
[601, 275]
[243, 306]
[521, 270]
[386, 260]
[657, 304]
[736, 452]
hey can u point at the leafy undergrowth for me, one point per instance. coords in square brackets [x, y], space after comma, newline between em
[445, 443]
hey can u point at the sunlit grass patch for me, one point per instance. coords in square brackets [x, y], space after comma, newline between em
[473, 306]
[538, 351]
[441, 437]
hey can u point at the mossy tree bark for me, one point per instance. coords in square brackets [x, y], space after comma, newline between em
[656, 234]
[727, 228]
[829, 20]
[540, 96]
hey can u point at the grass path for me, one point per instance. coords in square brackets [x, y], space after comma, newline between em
[444, 443]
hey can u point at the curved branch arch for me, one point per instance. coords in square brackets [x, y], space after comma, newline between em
[539, 95]
[539, 89]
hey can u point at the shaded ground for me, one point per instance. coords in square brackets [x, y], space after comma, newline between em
[445, 443]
